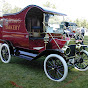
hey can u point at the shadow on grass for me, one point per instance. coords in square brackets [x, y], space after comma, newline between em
[35, 64]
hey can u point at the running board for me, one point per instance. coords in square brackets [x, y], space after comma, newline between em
[26, 55]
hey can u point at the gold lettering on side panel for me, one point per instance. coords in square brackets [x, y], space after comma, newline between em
[12, 27]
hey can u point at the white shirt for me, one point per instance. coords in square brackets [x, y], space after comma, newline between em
[82, 30]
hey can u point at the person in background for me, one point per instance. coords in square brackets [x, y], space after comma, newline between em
[82, 31]
[82, 34]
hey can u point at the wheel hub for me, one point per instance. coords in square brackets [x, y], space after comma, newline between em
[55, 67]
[52, 68]
[3, 52]
[81, 60]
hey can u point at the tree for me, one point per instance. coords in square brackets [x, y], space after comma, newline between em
[15, 9]
[48, 4]
[78, 22]
[81, 22]
[84, 23]
[6, 8]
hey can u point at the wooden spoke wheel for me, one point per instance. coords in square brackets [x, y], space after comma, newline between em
[82, 61]
[55, 67]
[5, 53]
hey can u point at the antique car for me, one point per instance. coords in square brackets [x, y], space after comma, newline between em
[31, 33]
[71, 28]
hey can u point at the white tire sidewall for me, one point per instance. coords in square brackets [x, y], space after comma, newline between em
[64, 64]
[8, 51]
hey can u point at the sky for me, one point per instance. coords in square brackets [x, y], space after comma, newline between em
[73, 8]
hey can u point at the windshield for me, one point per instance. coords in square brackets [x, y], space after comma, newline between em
[69, 25]
[52, 23]
[72, 26]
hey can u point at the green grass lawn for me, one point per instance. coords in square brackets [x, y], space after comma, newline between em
[20, 73]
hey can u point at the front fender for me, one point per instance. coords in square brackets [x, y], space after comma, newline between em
[51, 51]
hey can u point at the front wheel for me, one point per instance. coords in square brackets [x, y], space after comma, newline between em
[5, 53]
[82, 61]
[55, 67]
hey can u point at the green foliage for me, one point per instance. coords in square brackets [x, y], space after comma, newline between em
[49, 4]
[7, 8]
[78, 22]
[54, 19]
[81, 22]
[16, 9]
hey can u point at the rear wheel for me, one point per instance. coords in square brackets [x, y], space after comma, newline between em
[5, 53]
[55, 67]
[82, 61]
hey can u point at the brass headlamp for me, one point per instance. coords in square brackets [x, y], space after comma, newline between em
[66, 50]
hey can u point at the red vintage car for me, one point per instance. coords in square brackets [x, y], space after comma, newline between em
[31, 33]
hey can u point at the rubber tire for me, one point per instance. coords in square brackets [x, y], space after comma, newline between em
[87, 66]
[9, 58]
[64, 64]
